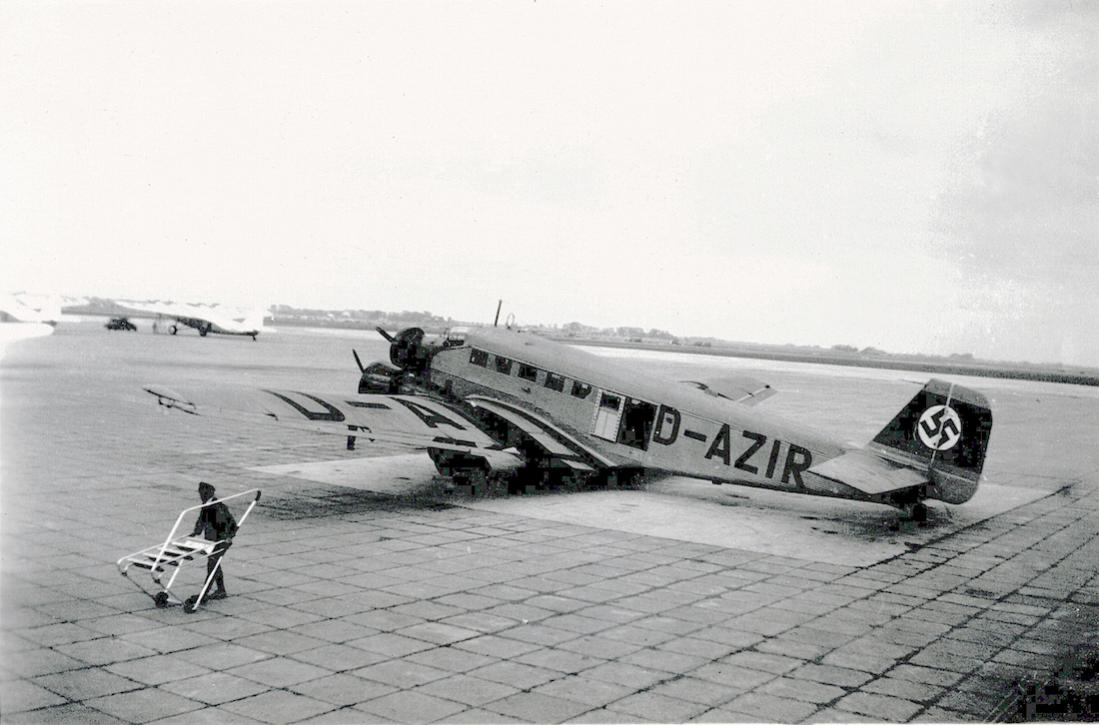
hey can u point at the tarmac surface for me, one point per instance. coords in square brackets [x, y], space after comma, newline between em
[393, 601]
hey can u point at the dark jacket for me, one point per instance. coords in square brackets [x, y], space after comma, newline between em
[216, 523]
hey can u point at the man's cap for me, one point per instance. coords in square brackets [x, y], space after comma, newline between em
[205, 488]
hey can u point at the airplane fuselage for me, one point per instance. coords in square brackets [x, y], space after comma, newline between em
[631, 419]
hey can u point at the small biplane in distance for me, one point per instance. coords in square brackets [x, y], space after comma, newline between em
[495, 401]
[204, 318]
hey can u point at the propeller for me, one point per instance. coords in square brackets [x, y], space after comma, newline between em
[383, 333]
[358, 361]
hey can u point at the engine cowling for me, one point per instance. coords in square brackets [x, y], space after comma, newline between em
[380, 377]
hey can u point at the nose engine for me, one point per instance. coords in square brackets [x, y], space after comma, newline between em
[407, 350]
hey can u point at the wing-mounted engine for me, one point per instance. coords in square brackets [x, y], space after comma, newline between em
[378, 377]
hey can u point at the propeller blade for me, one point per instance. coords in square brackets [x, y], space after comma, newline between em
[357, 360]
[386, 335]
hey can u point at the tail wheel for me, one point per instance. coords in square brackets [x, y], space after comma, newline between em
[191, 604]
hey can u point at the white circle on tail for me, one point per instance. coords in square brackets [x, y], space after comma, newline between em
[940, 428]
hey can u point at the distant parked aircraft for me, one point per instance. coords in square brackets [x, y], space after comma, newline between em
[204, 318]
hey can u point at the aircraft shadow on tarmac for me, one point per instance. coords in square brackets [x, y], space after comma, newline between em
[290, 504]
[821, 529]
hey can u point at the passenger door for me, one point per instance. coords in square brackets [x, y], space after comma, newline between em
[607, 415]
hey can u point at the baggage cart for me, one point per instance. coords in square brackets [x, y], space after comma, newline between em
[175, 552]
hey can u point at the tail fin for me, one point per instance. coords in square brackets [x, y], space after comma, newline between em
[943, 430]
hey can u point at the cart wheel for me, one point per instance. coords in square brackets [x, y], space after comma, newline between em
[161, 600]
[189, 605]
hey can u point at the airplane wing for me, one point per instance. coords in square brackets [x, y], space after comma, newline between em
[153, 308]
[407, 420]
[738, 388]
[447, 432]
[870, 473]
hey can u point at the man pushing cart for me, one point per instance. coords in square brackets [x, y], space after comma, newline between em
[217, 527]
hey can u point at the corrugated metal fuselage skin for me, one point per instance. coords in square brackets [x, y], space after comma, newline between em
[692, 433]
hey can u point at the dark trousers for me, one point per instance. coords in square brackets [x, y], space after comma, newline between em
[212, 561]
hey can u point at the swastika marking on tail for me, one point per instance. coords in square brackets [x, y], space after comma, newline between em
[939, 428]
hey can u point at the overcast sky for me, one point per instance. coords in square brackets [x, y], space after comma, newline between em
[911, 176]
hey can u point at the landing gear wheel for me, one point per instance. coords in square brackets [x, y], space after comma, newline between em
[189, 606]
[919, 513]
[161, 600]
[173, 329]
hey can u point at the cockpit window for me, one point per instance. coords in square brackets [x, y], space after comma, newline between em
[555, 382]
[503, 365]
[528, 372]
[478, 357]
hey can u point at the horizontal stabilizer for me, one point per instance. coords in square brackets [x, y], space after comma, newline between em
[738, 388]
[870, 473]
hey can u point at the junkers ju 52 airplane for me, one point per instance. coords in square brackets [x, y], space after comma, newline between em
[496, 401]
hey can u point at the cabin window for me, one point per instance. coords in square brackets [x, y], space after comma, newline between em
[580, 390]
[555, 382]
[637, 424]
[528, 372]
[610, 401]
[503, 365]
[478, 357]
